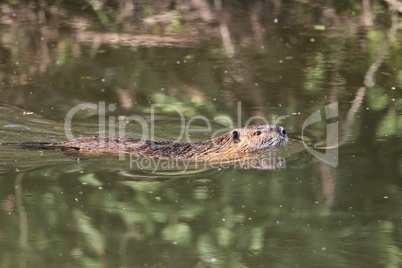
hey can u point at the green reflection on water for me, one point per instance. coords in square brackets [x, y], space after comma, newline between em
[66, 210]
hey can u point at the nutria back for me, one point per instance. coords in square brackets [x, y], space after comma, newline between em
[237, 141]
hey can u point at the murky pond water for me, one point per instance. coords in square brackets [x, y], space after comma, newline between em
[176, 70]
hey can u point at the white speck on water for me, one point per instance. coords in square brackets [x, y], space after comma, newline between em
[392, 88]
[103, 79]
[323, 248]
[163, 89]
[280, 61]
[214, 260]
[226, 71]
[223, 219]
[100, 188]
[276, 20]
[178, 62]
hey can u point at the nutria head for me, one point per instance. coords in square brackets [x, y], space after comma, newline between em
[258, 137]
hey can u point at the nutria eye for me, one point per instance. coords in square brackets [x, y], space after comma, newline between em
[257, 133]
[283, 132]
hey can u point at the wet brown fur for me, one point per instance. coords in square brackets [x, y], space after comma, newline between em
[238, 141]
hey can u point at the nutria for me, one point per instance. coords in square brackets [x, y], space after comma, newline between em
[238, 141]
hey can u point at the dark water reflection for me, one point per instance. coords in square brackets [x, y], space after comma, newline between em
[228, 62]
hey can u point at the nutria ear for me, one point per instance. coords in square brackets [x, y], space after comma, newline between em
[236, 136]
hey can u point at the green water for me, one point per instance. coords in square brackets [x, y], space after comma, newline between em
[163, 67]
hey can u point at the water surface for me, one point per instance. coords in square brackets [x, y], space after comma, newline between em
[165, 64]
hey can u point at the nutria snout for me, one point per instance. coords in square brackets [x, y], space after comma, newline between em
[237, 141]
